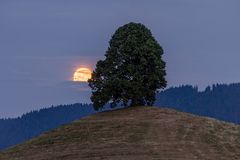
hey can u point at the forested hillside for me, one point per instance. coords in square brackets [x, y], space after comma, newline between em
[17, 130]
[219, 101]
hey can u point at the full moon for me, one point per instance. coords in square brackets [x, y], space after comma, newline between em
[82, 75]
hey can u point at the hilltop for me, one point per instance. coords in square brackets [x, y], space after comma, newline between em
[218, 101]
[134, 133]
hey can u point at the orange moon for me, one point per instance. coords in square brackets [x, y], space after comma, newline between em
[82, 75]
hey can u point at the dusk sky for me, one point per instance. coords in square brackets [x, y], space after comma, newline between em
[43, 42]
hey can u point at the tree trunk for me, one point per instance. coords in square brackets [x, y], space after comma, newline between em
[136, 102]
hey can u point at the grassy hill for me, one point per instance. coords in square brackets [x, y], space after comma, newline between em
[134, 133]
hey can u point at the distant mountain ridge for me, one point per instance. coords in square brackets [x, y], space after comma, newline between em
[219, 101]
[18, 130]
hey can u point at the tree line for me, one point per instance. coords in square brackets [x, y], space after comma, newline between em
[220, 101]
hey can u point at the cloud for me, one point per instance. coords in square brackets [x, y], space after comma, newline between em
[79, 86]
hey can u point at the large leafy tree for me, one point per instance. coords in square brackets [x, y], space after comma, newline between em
[132, 71]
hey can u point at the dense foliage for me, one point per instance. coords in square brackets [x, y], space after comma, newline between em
[132, 71]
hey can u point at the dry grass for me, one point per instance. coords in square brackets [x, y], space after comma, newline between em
[138, 133]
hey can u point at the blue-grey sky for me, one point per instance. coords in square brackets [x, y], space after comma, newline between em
[43, 42]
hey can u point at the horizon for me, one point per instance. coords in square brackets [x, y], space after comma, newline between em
[43, 43]
[90, 103]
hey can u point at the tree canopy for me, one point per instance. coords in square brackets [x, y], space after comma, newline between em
[132, 71]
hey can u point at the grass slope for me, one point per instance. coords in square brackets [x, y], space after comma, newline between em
[135, 133]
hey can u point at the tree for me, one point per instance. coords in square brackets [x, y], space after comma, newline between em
[132, 71]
